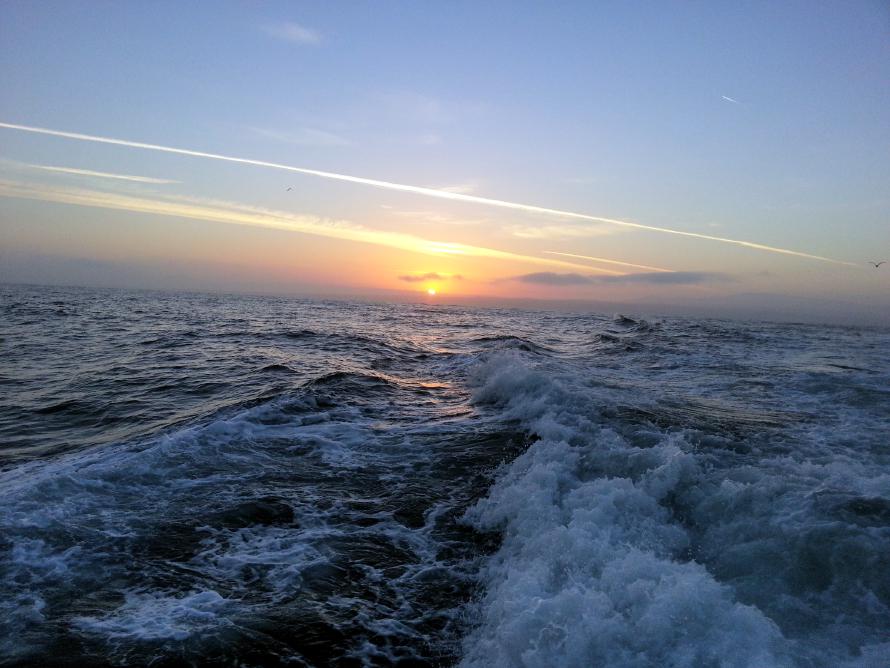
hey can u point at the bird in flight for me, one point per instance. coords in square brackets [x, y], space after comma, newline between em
[288, 190]
[877, 264]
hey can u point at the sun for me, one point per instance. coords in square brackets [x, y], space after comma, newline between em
[431, 292]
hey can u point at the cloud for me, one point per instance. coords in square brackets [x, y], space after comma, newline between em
[419, 190]
[430, 276]
[669, 278]
[606, 261]
[294, 32]
[304, 137]
[655, 278]
[459, 188]
[241, 214]
[551, 232]
[551, 278]
[430, 216]
[417, 107]
[102, 175]
[422, 109]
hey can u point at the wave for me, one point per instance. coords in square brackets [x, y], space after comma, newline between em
[277, 368]
[331, 510]
[625, 546]
[507, 341]
[537, 489]
[635, 324]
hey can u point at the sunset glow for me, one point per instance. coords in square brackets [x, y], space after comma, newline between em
[344, 187]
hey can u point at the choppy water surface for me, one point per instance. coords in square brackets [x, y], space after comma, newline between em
[260, 481]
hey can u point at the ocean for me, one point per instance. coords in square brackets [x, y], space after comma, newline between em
[194, 479]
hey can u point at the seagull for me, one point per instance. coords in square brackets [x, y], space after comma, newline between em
[877, 264]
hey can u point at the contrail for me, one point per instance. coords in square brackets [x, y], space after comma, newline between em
[417, 190]
[104, 175]
[729, 99]
[602, 259]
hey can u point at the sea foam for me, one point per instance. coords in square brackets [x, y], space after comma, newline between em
[598, 563]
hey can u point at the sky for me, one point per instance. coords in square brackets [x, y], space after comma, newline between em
[608, 152]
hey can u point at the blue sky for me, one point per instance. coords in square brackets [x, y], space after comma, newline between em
[766, 122]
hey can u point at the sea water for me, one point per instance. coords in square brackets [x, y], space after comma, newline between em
[232, 480]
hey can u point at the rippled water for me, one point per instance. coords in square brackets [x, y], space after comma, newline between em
[260, 481]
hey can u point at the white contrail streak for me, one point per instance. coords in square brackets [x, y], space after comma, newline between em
[103, 175]
[729, 99]
[417, 190]
[602, 259]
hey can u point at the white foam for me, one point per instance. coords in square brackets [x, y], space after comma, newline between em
[272, 556]
[159, 616]
[590, 570]
[102, 515]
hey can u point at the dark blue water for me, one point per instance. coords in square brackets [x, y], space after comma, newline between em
[220, 480]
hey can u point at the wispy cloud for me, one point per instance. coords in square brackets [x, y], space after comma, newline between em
[427, 192]
[459, 188]
[552, 278]
[303, 137]
[430, 216]
[240, 214]
[430, 276]
[102, 175]
[555, 232]
[730, 99]
[607, 261]
[656, 278]
[293, 32]
[416, 107]
[670, 278]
